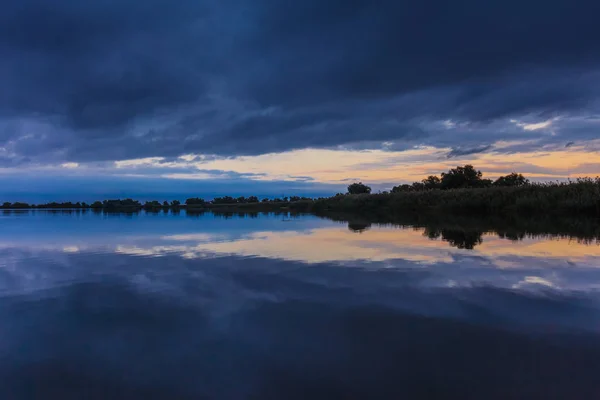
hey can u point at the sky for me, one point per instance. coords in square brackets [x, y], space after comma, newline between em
[213, 97]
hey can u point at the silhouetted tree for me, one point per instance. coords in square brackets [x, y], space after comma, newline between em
[175, 203]
[152, 204]
[463, 177]
[224, 200]
[195, 201]
[431, 182]
[119, 204]
[359, 188]
[165, 203]
[402, 188]
[513, 179]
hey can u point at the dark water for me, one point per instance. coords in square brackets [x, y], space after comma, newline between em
[169, 306]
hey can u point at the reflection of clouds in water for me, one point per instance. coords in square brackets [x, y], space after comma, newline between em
[531, 264]
[439, 265]
[228, 329]
[228, 309]
[556, 263]
[326, 245]
[323, 244]
[155, 251]
[71, 249]
[534, 280]
[198, 237]
[225, 285]
[379, 244]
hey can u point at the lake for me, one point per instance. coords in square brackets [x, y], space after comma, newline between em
[262, 306]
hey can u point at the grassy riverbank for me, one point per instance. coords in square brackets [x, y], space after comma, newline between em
[581, 198]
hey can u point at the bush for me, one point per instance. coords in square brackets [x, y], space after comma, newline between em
[152, 204]
[195, 201]
[359, 188]
[513, 179]
[432, 182]
[463, 177]
[455, 178]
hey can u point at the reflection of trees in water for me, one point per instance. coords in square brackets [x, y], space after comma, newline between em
[359, 226]
[224, 214]
[15, 212]
[432, 233]
[462, 239]
[191, 212]
[456, 238]
[514, 236]
[583, 230]
[238, 214]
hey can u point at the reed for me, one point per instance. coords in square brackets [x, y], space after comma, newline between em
[580, 197]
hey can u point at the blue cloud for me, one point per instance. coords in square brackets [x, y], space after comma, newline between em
[128, 79]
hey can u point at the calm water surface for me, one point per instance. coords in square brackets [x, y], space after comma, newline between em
[176, 306]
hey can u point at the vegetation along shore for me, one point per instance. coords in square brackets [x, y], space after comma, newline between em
[461, 190]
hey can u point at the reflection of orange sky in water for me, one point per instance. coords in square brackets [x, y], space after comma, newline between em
[538, 247]
[322, 245]
[379, 244]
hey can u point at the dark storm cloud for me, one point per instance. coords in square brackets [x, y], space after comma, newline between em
[371, 48]
[114, 79]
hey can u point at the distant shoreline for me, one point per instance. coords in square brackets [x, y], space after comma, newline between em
[580, 198]
[248, 207]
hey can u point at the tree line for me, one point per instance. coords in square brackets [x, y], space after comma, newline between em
[456, 178]
[195, 202]
[508, 195]
[461, 177]
[118, 204]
